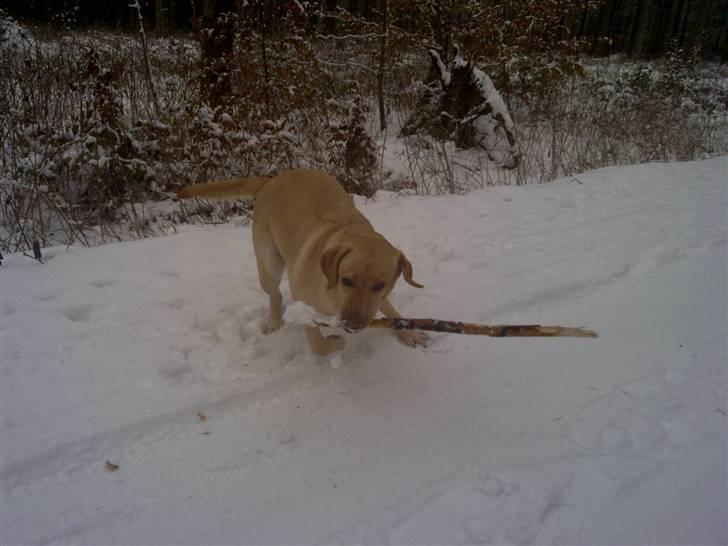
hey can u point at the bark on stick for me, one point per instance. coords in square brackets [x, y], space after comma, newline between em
[498, 330]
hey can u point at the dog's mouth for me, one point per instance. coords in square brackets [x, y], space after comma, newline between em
[351, 327]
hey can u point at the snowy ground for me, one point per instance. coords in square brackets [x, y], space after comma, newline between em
[148, 354]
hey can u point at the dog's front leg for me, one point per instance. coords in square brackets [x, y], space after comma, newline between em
[321, 345]
[411, 338]
[275, 313]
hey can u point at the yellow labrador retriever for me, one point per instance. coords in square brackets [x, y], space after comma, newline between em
[306, 223]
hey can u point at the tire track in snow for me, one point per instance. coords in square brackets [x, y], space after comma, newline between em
[86, 454]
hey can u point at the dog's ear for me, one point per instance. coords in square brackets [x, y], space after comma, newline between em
[330, 261]
[406, 268]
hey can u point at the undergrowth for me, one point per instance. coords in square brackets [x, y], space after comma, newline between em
[88, 154]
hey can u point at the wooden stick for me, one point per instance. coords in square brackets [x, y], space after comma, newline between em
[500, 330]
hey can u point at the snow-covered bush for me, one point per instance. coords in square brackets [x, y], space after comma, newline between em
[83, 139]
[353, 152]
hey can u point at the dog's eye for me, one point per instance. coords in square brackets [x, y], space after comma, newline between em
[346, 281]
[377, 287]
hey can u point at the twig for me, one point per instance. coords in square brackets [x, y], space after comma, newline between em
[348, 64]
[350, 37]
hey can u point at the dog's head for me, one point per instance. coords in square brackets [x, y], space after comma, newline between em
[361, 276]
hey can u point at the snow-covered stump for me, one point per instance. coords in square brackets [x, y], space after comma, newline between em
[467, 109]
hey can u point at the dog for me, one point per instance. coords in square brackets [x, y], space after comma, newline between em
[305, 222]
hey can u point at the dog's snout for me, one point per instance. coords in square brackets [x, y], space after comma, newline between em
[352, 323]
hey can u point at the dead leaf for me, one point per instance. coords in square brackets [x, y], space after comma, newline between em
[202, 417]
[111, 467]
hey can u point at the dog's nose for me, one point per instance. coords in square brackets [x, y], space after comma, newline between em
[352, 324]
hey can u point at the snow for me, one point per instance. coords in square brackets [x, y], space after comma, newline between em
[148, 354]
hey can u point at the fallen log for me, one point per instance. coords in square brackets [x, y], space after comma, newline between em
[467, 328]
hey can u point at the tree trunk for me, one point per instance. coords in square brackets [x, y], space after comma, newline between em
[612, 27]
[659, 32]
[209, 8]
[382, 65]
[216, 36]
[640, 29]
[684, 23]
[162, 13]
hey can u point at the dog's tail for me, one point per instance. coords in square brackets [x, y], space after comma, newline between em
[225, 189]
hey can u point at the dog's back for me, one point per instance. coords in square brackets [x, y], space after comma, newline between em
[302, 192]
[300, 205]
[291, 207]
[303, 195]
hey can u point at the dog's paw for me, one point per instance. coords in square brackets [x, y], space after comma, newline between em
[336, 343]
[413, 338]
[269, 326]
[326, 345]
